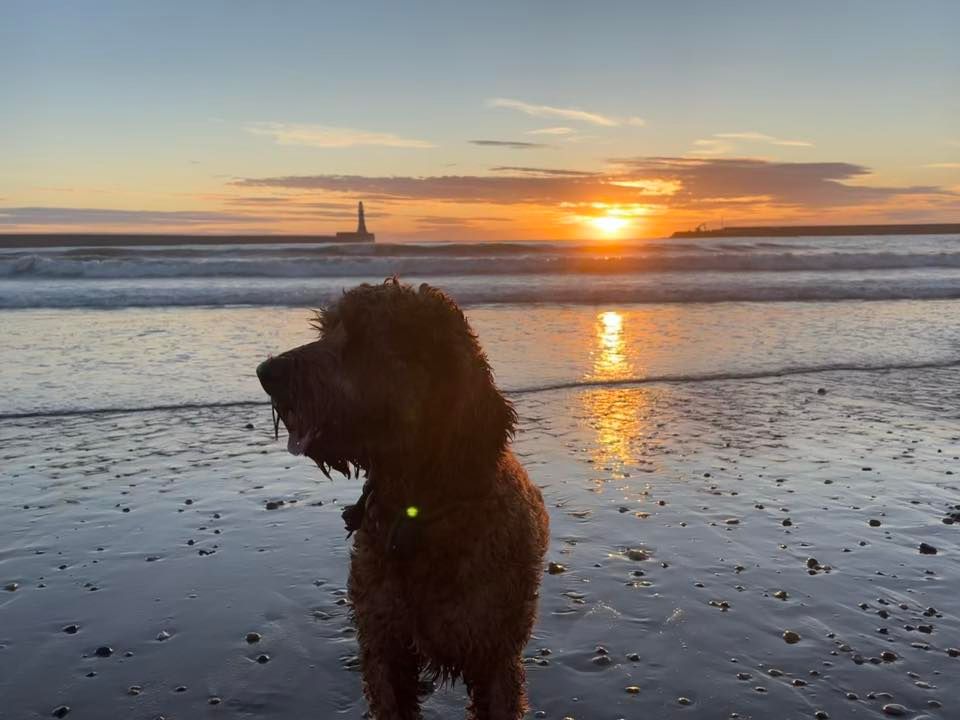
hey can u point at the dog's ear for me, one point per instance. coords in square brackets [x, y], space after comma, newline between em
[479, 418]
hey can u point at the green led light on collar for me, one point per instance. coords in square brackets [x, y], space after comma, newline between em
[412, 511]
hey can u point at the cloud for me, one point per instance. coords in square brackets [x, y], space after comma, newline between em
[761, 137]
[944, 165]
[815, 184]
[512, 144]
[324, 136]
[542, 171]
[670, 182]
[552, 131]
[109, 216]
[576, 114]
[711, 147]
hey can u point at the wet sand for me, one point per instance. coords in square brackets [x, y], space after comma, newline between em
[695, 523]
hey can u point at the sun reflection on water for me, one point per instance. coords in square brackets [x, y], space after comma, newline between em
[617, 415]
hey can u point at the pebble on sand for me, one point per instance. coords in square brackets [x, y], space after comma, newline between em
[263, 659]
[791, 636]
[895, 709]
[781, 595]
[10, 587]
[103, 651]
[71, 629]
[632, 689]
[253, 637]
[555, 568]
[61, 711]
[637, 554]
[874, 522]
[926, 549]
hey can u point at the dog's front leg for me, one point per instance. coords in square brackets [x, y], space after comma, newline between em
[388, 662]
[497, 692]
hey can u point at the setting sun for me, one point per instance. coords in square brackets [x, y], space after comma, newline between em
[609, 224]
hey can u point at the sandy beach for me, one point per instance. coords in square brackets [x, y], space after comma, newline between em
[695, 524]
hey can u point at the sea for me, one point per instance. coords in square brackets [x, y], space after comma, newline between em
[738, 441]
[127, 327]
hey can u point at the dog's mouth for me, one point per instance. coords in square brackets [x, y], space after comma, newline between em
[299, 434]
[301, 437]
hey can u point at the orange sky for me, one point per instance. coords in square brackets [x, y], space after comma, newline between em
[501, 122]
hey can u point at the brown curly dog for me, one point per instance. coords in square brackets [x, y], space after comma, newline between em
[450, 532]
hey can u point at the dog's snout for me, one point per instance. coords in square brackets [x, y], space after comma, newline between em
[272, 373]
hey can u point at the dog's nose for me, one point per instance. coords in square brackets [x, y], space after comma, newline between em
[271, 373]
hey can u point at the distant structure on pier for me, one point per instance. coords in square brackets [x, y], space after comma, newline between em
[361, 234]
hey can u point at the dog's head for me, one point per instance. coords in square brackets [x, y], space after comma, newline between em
[396, 376]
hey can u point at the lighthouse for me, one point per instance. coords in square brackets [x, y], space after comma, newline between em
[362, 234]
[361, 222]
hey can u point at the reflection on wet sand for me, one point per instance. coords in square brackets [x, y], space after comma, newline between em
[617, 415]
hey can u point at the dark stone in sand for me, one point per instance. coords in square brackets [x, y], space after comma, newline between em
[61, 711]
[874, 522]
[163, 635]
[180, 688]
[71, 629]
[786, 522]
[821, 391]
[632, 689]
[253, 637]
[103, 651]
[821, 715]
[602, 660]
[249, 426]
[637, 554]
[888, 656]
[215, 700]
[791, 637]
[555, 568]
[134, 690]
[633, 657]
[684, 701]
[781, 595]
[263, 659]
[953, 652]
[273, 504]
[894, 709]
[926, 549]
[812, 563]
[11, 587]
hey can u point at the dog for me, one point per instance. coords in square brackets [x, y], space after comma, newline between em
[450, 533]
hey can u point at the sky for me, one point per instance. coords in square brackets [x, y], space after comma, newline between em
[476, 121]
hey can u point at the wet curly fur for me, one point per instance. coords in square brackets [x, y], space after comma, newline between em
[450, 532]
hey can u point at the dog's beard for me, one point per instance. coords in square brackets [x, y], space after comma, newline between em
[301, 440]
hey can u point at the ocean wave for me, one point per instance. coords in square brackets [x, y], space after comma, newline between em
[666, 288]
[299, 265]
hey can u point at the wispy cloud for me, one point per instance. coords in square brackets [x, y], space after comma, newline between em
[110, 216]
[576, 114]
[543, 171]
[552, 131]
[944, 165]
[752, 136]
[512, 144]
[325, 136]
[711, 147]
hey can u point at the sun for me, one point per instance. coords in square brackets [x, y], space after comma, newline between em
[609, 224]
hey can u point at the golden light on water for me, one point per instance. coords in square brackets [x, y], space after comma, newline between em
[613, 413]
[610, 360]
